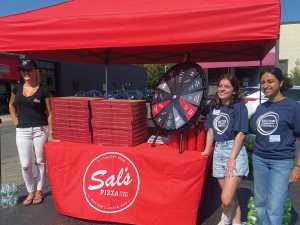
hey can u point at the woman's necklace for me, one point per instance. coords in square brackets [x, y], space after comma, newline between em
[29, 90]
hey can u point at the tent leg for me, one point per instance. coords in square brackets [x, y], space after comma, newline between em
[106, 80]
[260, 68]
[106, 60]
[180, 142]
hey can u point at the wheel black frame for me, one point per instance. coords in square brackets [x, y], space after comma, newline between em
[171, 76]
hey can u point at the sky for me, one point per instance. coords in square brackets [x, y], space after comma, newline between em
[289, 8]
[8, 7]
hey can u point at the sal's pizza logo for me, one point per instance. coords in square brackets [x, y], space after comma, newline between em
[111, 183]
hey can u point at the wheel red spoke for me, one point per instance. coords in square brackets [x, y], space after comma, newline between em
[179, 97]
[156, 108]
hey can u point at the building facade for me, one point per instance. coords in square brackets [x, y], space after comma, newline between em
[69, 78]
[289, 45]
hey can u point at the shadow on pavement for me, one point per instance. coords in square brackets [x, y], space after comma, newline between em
[208, 214]
[210, 202]
[294, 217]
[294, 194]
[209, 210]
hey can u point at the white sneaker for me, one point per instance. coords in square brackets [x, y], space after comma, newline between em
[225, 220]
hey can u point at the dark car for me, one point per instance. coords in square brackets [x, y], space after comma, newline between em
[4, 98]
[148, 95]
[135, 94]
[294, 93]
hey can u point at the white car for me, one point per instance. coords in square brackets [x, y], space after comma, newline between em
[253, 98]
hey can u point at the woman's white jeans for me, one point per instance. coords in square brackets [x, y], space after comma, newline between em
[31, 140]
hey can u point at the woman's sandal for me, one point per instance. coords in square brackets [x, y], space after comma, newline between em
[38, 198]
[29, 199]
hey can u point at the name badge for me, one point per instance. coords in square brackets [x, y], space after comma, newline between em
[274, 138]
[216, 112]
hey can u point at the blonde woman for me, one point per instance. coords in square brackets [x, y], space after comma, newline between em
[30, 111]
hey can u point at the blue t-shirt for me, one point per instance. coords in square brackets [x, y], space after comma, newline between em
[227, 121]
[276, 125]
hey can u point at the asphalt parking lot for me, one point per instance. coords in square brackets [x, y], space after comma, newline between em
[46, 214]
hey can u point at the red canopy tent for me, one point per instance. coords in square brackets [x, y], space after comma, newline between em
[144, 31]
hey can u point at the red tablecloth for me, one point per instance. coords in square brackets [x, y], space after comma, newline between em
[140, 185]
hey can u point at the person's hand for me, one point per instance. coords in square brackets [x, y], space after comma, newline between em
[15, 122]
[295, 175]
[205, 153]
[51, 138]
[230, 167]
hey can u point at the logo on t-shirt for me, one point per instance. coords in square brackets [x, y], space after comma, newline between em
[36, 100]
[111, 183]
[267, 123]
[221, 123]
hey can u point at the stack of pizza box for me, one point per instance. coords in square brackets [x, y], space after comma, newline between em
[71, 119]
[119, 122]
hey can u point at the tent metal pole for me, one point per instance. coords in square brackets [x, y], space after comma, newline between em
[0, 153]
[106, 61]
[260, 68]
[106, 80]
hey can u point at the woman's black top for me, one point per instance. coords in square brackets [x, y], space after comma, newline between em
[31, 111]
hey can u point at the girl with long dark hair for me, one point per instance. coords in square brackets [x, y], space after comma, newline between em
[276, 124]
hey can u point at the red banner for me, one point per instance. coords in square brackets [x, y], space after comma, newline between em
[141, 185]
[8, 68]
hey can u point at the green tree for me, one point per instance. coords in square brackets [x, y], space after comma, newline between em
[154, 73]
[295, 73]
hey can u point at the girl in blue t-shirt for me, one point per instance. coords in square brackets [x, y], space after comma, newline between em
[276, 124]
[227, 125]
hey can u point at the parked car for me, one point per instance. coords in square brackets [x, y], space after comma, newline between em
[4, 98]
[126, 94]
[120, 94]
[135, 94]
[4, 103]
[253, 98]
[148, 95]
[294, 93]
[90, 93]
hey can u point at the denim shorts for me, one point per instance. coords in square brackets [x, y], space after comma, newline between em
[220, 158]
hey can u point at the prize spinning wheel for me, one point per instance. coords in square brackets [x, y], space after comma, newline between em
[179, 97]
